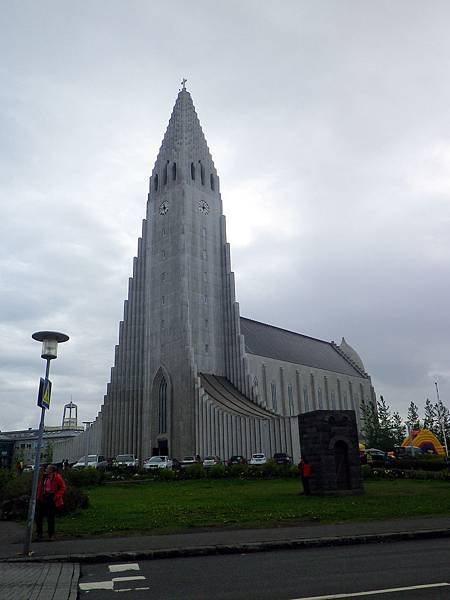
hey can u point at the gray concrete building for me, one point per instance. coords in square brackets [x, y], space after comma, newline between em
[191, 376]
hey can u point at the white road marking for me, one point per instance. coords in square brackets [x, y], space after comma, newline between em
[125, 590]
[373, 592]
[96, 585]
[136, 577]
[124, 567]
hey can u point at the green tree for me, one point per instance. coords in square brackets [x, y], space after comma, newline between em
[442, 421]
[429, 421]
[381, 429]
[413, 416]
[398, 429]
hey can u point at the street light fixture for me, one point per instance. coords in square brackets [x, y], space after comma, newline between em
[50, 341]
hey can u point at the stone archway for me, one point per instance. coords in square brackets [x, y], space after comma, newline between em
[341, 460]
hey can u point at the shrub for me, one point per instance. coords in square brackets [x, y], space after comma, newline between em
[270, 469]
[238, 471]
[194, 472]
[83, 477]
[216, 472]
[5, 476]
[164, 474]
[74, 499]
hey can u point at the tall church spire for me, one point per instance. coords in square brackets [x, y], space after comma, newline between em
[184, 149]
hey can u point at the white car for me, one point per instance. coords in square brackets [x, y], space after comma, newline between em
[158, 462]
[258, 459]
[92, 461]
[210, 461]
[126, 461]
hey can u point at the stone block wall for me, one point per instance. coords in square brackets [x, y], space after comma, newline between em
[329, 441]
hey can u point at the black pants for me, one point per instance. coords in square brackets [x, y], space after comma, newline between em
[45, 508]
[305, 483]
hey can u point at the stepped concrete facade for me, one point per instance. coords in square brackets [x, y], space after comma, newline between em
[190, 375]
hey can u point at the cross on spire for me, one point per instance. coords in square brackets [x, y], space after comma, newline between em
[183, 83]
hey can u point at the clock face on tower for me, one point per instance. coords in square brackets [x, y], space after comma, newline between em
[203, 207]
[163, 207]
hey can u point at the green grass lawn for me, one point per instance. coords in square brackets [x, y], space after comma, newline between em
[163, 507]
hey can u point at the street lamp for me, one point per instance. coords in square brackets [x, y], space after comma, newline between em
[50, 341]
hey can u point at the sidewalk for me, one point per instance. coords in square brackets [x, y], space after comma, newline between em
[48, 557]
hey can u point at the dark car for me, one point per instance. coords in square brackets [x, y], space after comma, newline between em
[237, 460]
[281, 458]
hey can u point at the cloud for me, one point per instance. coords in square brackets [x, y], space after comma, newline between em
[328, 126]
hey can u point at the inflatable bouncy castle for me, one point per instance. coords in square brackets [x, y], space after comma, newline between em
[426, 441]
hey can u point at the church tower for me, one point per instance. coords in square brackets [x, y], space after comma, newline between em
[181, 318]
[190, 375]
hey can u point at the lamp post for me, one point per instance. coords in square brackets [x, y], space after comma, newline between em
[50, 341]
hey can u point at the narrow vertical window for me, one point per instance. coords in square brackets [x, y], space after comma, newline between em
[333, 400]
[162, 406]
[290, 399]
[212, 182]
[192, 171]
[165, 172]
[202, 173]
[155, 182]
[274, 396]
[305, 398]
[174, 171]
[319, 397]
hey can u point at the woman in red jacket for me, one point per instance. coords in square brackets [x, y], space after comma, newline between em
[50, 494]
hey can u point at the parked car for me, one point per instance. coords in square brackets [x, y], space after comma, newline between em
[237, 460]
[106, 465]
[373, 456]
[258, 459]
[188, 461]
[126, 461]
[409, 452]
[210, 461]
[158, 462]
[281, 458]
[92, 461]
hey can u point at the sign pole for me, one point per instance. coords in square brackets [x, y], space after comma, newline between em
[37, 464]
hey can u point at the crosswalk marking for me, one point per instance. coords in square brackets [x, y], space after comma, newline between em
[96, 585]
[123, 567]
[117, 579]
[115, 583]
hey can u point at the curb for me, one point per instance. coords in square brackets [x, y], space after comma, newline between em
[243, 548]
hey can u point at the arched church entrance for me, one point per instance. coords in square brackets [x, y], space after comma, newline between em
[342, 466]
[161, 414]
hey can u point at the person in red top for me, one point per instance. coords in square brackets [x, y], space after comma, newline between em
[304, 469]
[50, 493]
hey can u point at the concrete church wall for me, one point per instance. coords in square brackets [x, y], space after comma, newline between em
[300, 388]
[88, 442]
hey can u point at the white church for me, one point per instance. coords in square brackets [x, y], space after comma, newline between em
[191, 375]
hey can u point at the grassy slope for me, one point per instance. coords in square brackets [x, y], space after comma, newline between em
[170, 506]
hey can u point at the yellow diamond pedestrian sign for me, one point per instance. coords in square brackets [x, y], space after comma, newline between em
[45, 392]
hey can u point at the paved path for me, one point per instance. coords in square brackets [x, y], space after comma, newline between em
[67, 554]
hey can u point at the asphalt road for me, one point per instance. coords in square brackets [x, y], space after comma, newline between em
[282, 575]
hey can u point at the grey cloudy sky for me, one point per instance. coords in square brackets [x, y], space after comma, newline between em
[329, 125]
